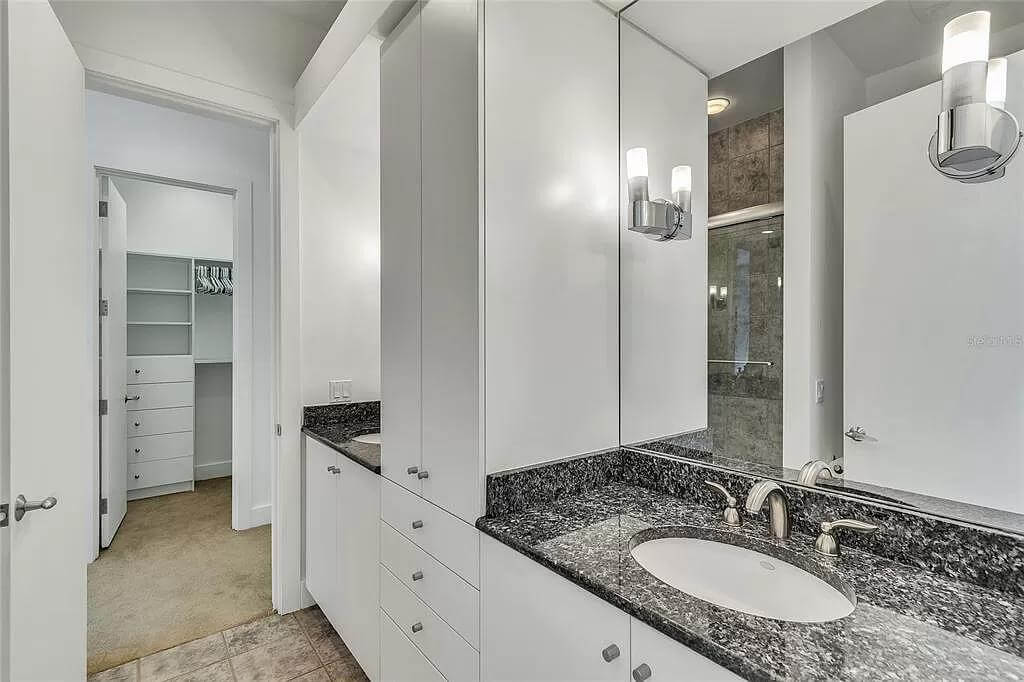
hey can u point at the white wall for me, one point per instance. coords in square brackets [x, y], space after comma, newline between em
[821, 86]
[339, 157]
[934, 326]
[135, 136]
[178, 221]
[551, 236]
[664, 284]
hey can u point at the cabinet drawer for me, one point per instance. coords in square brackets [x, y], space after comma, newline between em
[155, 396]
[150, 422]
[455, 600]
[163, 446]
[159, 369]
[670, 661]
[400, 660]
[447, 538]
[442, 646]
[162, 472]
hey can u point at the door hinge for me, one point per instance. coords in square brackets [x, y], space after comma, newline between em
[103, 407]
[277, 429]
[104, 307]
[5, 513]
[103, 506]
[103, 209]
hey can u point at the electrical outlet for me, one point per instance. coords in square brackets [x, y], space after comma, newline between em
[819, 391]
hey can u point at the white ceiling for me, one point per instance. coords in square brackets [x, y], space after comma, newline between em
[717, 36]
[752, 89]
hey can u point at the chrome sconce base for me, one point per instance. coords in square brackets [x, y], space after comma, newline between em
[974, 142]
[662, 220]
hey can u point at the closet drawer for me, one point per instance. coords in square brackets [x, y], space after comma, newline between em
[400, 659]
[154, 396]
[162, 472]
[442, 646]
[159, 369]
[449, 539]
[450, 596]
[149, 422]
[163, 446]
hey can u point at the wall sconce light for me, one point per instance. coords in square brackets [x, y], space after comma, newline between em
[660, 219]
[975, 136]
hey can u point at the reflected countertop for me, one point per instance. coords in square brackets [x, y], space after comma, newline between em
[336, 425]
[908, 623]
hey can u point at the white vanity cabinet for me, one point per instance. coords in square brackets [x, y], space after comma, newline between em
[538, 626]
[342, 548]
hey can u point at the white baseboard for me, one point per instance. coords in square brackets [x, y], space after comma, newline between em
[155, 490]
[212, 470]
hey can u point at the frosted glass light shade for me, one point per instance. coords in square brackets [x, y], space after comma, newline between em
[682, 179]
[636, 162]
[995, 87]
[965, 39]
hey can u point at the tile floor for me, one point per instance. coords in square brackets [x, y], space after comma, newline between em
[299, 646]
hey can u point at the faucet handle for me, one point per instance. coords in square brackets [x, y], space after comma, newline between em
[730, 515]
[828, 544]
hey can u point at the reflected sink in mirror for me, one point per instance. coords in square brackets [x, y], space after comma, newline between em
[741, 579]
[369, 438]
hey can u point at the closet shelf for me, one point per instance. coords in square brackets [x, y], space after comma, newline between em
[170, 292]
[213, 361]
[159, 324]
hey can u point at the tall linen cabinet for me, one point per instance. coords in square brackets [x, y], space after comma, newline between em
[499, 289]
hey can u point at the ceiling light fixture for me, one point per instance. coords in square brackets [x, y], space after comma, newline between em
[717, 105]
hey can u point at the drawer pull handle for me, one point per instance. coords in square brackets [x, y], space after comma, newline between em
[138, 476]
[333, 470]
[423, 474]
[642, 672]
[417, 524]
[610, 653]
[412, 470]
[416, 627]
[132, 397]
[418, 575]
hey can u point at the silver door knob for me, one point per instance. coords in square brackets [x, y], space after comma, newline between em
[417, 524]
[23, 506]
[610, 653]
[416, 627]
[857, 434]
[423, 474]
[642, 672]
[418, 575]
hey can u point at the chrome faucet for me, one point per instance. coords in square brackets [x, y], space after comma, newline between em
[778, 506]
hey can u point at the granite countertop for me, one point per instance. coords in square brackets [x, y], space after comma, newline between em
[338, 436]
[908, 623]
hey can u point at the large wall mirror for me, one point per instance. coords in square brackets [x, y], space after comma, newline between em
[846, 310]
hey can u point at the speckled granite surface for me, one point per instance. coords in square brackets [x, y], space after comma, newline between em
[909, 623]
[336, 425]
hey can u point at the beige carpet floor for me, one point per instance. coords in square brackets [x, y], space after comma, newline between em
[175, 572]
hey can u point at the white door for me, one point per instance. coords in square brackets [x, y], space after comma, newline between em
[47, 373]
[322, 526]
[113, 353]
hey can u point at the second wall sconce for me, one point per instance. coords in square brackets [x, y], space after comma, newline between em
[659, 219]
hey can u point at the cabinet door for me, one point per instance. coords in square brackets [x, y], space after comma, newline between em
[400, 660]
[451, 257]
[322, 526]
[400, 250]
[358, 557]
[667, 660]
[539, 626]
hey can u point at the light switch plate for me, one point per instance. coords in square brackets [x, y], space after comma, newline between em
[334, 389]
[819, 391]
[346, 389]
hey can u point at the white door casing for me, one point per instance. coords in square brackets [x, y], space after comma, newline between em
[113, 354]
[48, 315]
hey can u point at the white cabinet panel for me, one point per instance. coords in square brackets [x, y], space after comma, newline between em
[442, 646]
[454, 599]
[670, 661]
[161, 472]
[322, 527]
[163, 446]
[155, 396]
[539, 626]
[160, 369]
[451, 540]
[149, 422]
[400, 660]
[400, 253]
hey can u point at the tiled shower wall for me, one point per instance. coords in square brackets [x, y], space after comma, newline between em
[745, 164]
[745, 322]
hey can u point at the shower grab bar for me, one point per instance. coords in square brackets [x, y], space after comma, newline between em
[766, 363]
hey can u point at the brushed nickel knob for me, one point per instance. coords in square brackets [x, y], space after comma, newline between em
[138, 476]
[416, 627]
[642, 672]
[423, 474]
[418, 575]
[412, 470]
[610, 653]
[417, 524]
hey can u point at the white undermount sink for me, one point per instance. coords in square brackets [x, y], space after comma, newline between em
[742, 579]
[369, 438]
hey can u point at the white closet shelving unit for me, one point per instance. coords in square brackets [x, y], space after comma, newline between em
[171, 327]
